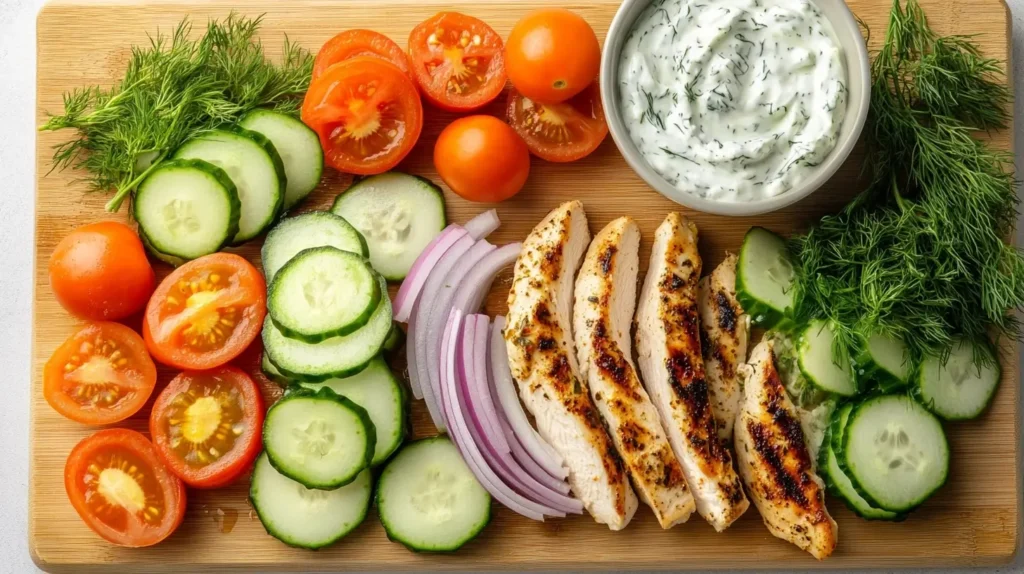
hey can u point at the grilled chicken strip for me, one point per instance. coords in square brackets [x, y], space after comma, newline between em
[669, 349]
[724, 332]
[540, 349]
[774, 461]
[602, 317]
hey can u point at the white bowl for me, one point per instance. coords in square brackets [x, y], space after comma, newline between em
[859, 84]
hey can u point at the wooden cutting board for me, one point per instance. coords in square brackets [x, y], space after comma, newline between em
[973, 520]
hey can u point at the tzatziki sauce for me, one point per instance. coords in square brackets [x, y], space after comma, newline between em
[733, 100]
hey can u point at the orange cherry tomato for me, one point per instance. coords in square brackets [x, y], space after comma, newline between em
[559, 132]
[207, 425]
[481, 158]
[457, 61]
[122, 491]
[101, 375]
[367, 113]
[100, 272]
[353, 43]
[552, 54]
[206, 312]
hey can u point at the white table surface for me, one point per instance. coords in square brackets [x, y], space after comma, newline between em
[17, 144]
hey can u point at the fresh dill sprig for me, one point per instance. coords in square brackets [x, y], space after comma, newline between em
[921, 254]
[174, 89]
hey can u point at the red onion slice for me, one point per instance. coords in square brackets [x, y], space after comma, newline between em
[474, 398]
[484, 224]
[531, 467]
[410, 289]
[478, 282]
[504, 389]
[460, 432]
[475, 348]
[412, 360]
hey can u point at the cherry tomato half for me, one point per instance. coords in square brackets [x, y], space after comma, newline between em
[559, 132]
[552, 54]
[100, 272]
[353, 43]
[122, 491]
[481, 158]
[367, 113]
[207, 425]
[457, 61]
[101, 375]
[206, 312]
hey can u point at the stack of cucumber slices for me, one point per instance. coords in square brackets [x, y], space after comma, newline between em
[328, 325]
[227, 186]
[885, 451]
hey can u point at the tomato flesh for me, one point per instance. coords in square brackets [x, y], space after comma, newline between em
[121, 489]
[458, 61]
[206, 426]
[560, 132]
[101, 375]
[206, 312]
[355, 43]
[367, 114]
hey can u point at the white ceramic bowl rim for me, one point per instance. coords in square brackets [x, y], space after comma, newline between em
[859, 81]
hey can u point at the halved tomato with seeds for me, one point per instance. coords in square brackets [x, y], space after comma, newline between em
[354, 43]
[207, 425]
[458, 61]
[561, 132]
[206, 312]
[122, 491]
[367, 113]
[101, 375]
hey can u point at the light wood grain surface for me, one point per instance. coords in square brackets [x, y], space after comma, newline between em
[971, 521]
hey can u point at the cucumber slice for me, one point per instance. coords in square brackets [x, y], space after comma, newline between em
[396, 336]
[399, 214]
[318, 438]
[270, 370]
[960, 389]
[894, 452]
[255, 167]
[377, 390]
[884, 361]
[304, 517]
[298, 146]
[428, 499]
[186, 208]
[839, 484]
[313, 229]
[818, 364]
[764, 278]
[323, 292]
[337, 357]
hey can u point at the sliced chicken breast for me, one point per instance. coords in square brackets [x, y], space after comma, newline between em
[540, 348]
[774, 461]
[669, 349]
[602, 318]
[724, 331]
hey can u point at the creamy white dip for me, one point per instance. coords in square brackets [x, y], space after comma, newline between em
[733, 100]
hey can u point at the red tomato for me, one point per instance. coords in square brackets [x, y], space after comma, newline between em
[207, 425]
[367, 113]
[559, 132]
[352, 43]
[206, 312]
[457, 61]
[552, 54]
[101, 375]
[482, 159]
[122, 491]
[100, 272]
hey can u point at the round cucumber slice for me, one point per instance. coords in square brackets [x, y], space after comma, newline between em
[298, 146]
[429, 500]
[323, 292]
[305, 517]
[764, 278]
[318, 439]
[313, 229]
[819, 364]
[959, 388]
